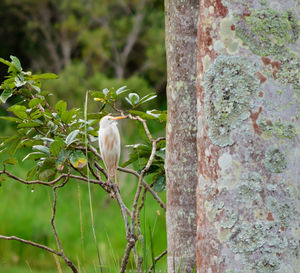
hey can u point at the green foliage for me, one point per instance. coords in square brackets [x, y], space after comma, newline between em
[56, 135]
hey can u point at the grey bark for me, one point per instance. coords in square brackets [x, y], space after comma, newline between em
[181, 161]
[248, 204]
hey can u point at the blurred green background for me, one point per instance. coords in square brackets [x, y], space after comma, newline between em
[91, 45]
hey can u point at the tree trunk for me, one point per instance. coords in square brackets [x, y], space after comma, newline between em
[181, 161]
[248, 95]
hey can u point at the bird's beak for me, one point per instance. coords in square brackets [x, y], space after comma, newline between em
[117, 118]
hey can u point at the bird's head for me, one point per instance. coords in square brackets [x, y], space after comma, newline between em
[108, 120]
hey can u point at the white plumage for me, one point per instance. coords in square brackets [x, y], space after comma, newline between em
[109, 144]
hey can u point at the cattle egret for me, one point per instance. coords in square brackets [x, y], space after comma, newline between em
[109, 144]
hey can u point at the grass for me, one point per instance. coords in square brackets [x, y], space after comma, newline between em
[25, 212]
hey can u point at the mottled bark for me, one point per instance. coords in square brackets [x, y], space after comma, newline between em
[181, 161]
[248, 97]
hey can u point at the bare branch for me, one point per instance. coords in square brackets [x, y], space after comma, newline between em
[128, 249]
[50, 183]
[156, 259]
[14, 238]
[67, 261]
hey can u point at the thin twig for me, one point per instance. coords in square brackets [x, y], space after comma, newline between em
[50, 183]
[98, 166]
[128, 249]
[154, 194]
[67, 261]
[156, 259]
[30, 243]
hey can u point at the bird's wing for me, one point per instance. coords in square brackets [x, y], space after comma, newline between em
[109, 144]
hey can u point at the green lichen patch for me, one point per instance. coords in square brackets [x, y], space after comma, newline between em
[229, 218]
[268, 263]
[229, 84]
[250, 187]
[283, 212]
[227, 34]
[277, 128]
[246, 237]
[267, 31]
[275, 160]
[288, 72]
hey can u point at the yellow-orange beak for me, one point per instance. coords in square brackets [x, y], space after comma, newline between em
[119, 117]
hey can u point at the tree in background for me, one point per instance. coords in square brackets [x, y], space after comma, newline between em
[181, 160]
[248, 137]
[93, 41]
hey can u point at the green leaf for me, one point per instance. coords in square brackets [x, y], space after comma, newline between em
[14, 147]
[19, 82]
[16, 62]
[35, 86]
[6, 94]
[147, 98]
[13, 119]
[160, 184]
[97, 95]
[29, 124]
[56, 146]
[66, 117]
[42, 149]
[45, 76]
[78, 159]
[5, 62]
[34, 155]
[19, 111]
[133, 99]
[161, 115]
[96, 116]
[11, 161]
[161, 153]
[36, 114]
[9, 139]
[152, 169]
[47, 170]
[61, 160]
[142, 115]
[140, 151]
[31, 173]
[71, 137]
[34, 102]
[121, 90]
[60, 107]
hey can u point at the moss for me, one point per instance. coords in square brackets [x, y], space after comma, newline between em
[229, 84]
[277, 128]
[250, 187]
[267, 31]
[275, 160]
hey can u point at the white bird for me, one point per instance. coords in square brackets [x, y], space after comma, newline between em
[109, 144]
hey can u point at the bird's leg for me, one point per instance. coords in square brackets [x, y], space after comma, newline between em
[115, 188]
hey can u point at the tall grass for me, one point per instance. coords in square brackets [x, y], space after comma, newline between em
[27, 214]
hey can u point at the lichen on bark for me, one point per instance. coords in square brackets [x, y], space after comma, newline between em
[229, 84]
[267, 31]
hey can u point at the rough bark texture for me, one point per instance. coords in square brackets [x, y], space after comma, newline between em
[248, 96]
[181, 161]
